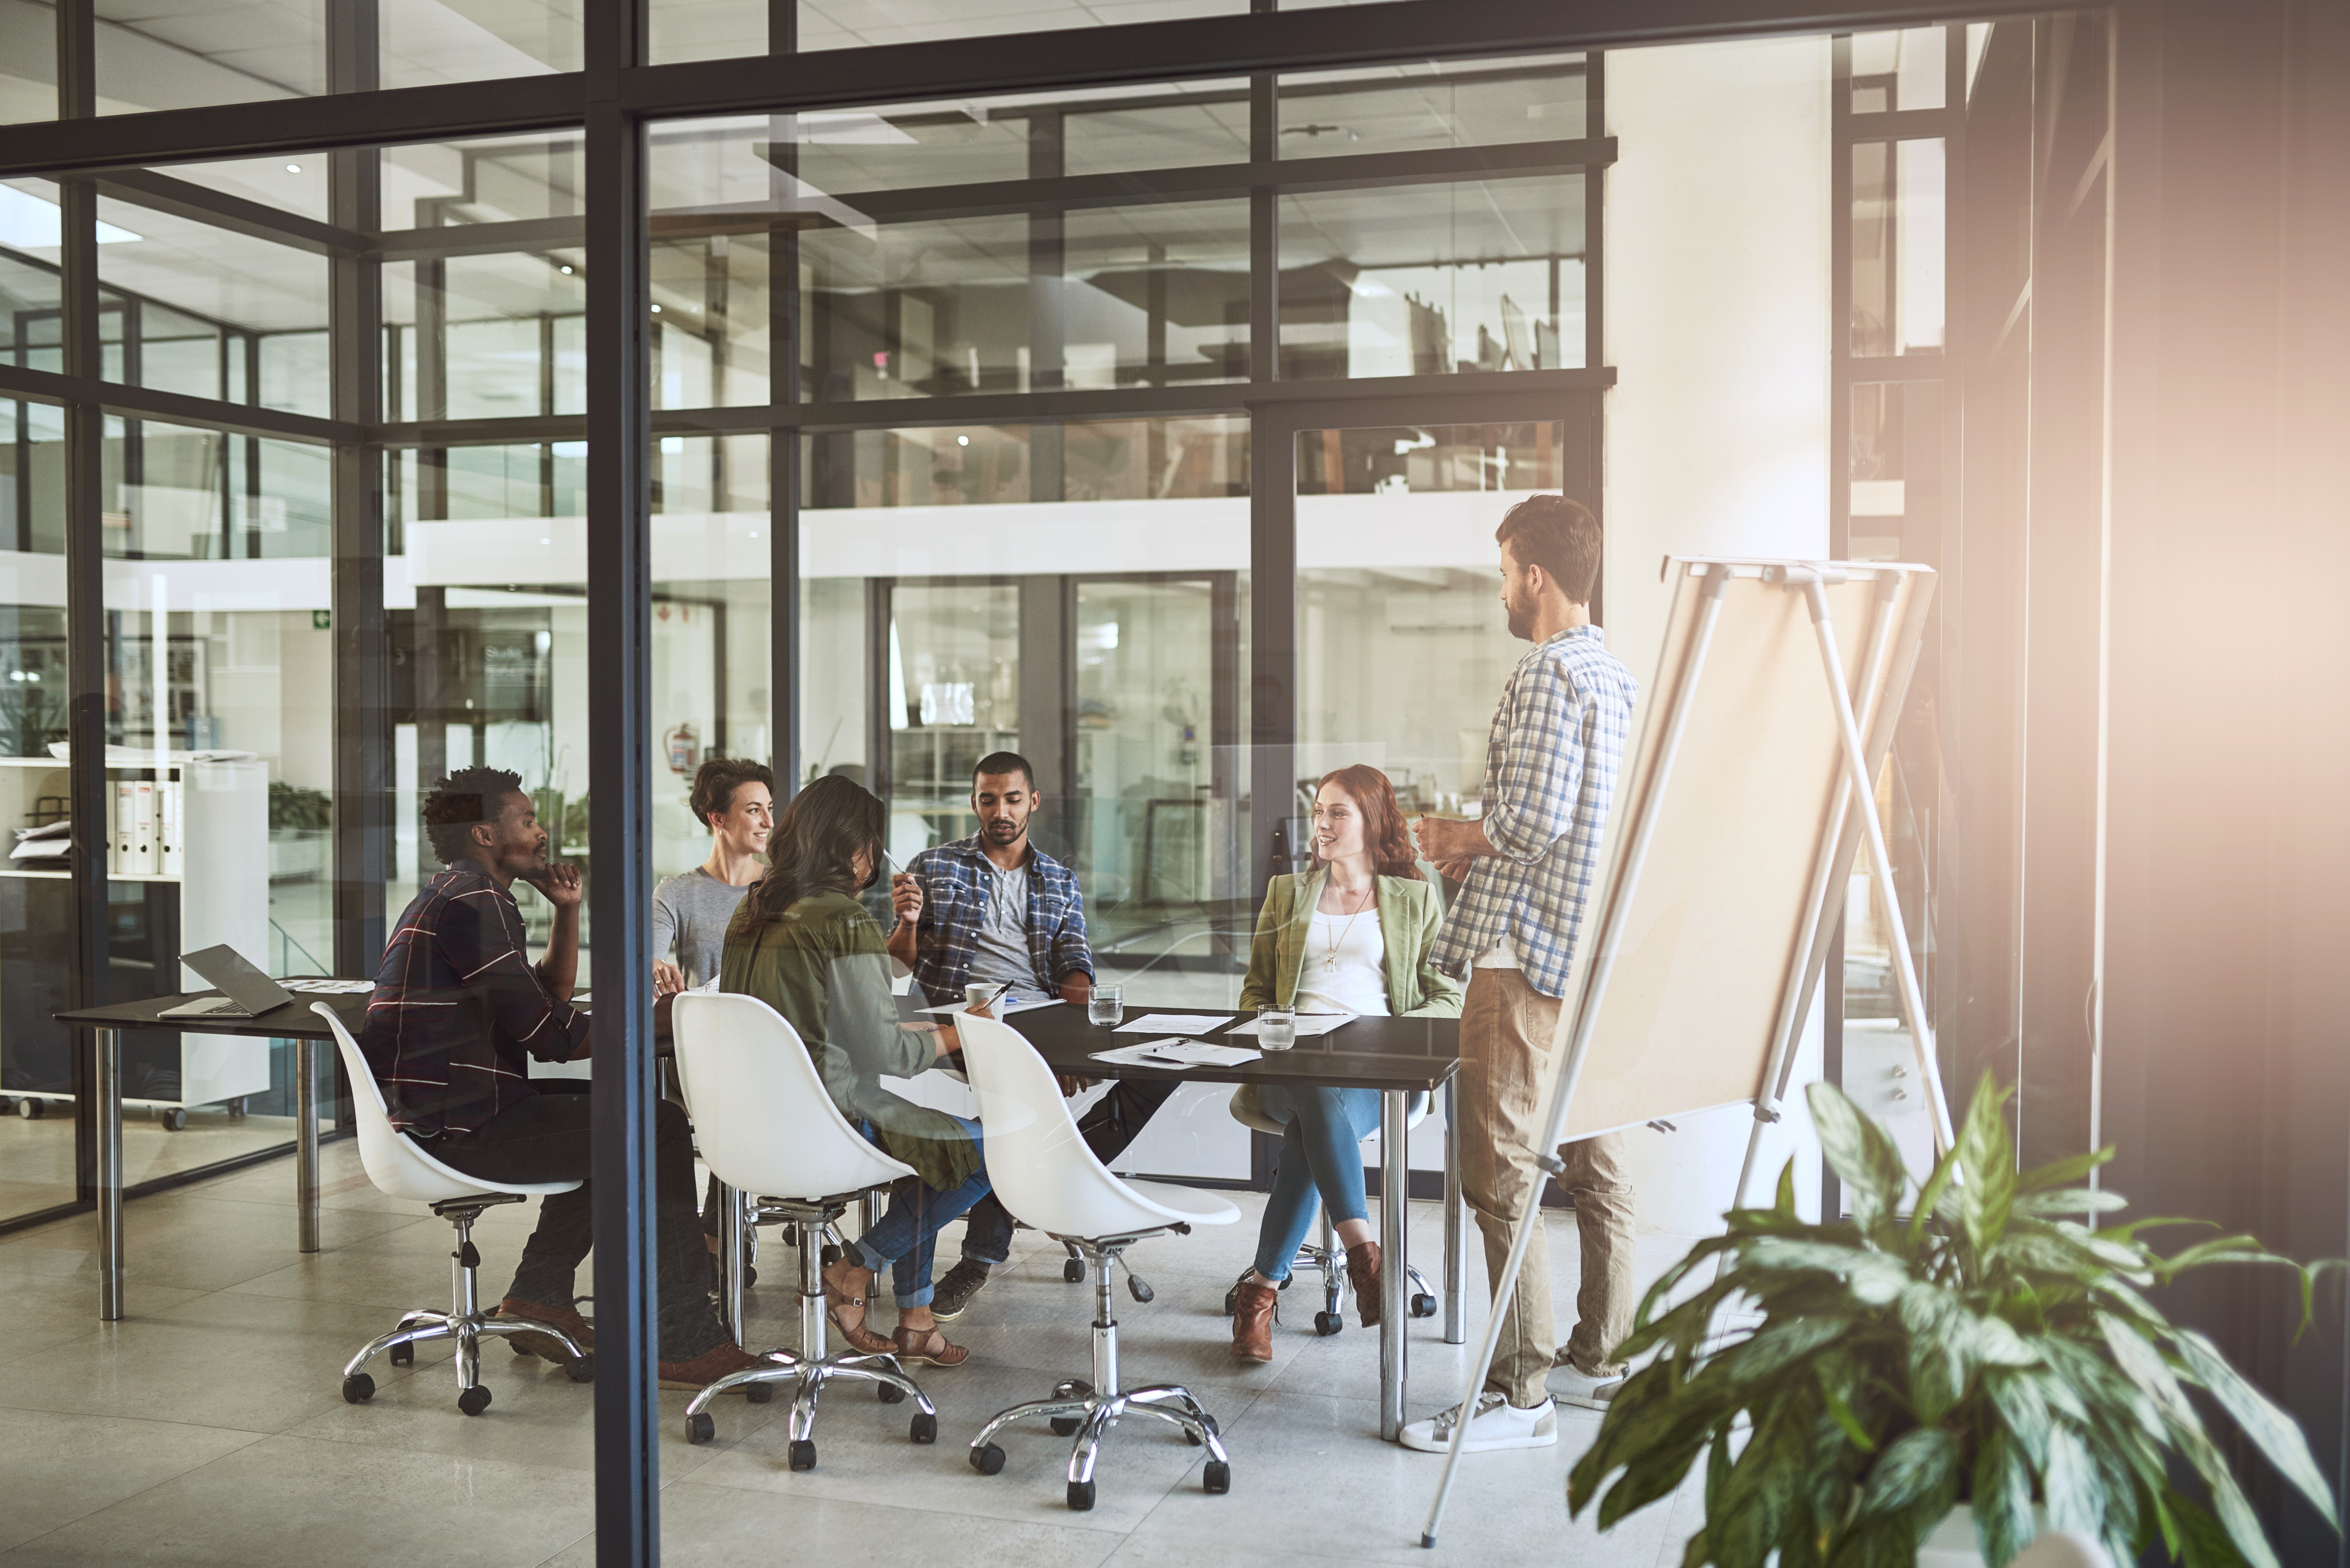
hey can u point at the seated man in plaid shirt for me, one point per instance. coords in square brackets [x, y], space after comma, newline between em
[458, 1012]
[995, 908]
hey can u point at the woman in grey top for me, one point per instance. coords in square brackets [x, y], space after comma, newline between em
[735, 799]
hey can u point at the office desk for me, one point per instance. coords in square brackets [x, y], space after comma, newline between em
[293, 1021]
[1398, 1057]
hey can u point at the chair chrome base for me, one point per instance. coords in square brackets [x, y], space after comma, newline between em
[1325, 1257]
[1088, 1410]
[464, 1321]
[808, 1368]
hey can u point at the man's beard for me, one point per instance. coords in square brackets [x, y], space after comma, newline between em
[1002, 831]
[1521, 620]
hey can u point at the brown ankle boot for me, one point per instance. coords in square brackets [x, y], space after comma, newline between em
[1362, 1279]
[1254, 1310]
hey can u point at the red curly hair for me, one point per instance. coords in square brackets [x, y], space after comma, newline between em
[1384, 834]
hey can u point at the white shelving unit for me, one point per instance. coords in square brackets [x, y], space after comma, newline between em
[223, 897]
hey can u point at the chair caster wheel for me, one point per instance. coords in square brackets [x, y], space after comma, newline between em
[1066, 1426]
[473, 1400]
[1081, 1497]
[759, 1393]
[987, 1461]
[699, 1428]
[1216, 1477]
[829, 1255]
[804, 1454]
[1074, 1271]
[889, 1392]
[924, 1428]
[402, 1355]
[357, 1388]
[1326, 1323]
[1423, 1305]
[173, 1120]
[582, 1370]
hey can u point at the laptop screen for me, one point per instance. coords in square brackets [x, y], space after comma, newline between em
[228, 969]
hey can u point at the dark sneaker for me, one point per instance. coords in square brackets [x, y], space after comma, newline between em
[954, 1292]
[516, 1310]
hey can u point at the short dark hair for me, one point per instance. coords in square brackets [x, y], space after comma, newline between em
[715, 781]
[466, 797]
[1003, 762]
[1559, 535]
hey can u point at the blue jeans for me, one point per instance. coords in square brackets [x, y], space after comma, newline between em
[905, 1239]
[1321, 1150]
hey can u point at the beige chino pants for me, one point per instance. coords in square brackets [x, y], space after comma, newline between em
[1505, 1040]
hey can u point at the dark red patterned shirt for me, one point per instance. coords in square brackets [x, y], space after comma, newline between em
[458, 1009]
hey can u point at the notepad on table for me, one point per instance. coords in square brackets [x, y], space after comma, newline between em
[1178, 1054]
[1308, 1023]
[1180, 1024]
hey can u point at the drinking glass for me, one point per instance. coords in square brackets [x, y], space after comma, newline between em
[1277, 1028]
[977, 994]
[1106, 1009]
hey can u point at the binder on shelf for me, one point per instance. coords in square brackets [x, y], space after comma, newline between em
[142, 834]
[118, 860]
[172, 837]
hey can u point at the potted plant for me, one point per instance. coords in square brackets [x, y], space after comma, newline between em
[1988, 1347]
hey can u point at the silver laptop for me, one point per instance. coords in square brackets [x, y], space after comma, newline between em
[250, 991]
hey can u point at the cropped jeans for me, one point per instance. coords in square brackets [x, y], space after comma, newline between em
[905, 1240]
[1321, 1151]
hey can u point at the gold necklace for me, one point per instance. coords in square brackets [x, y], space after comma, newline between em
[1330, 958]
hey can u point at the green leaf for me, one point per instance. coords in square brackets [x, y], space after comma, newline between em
[1988, 1160]
[2071, 1200]
[1932, 1194]
[1841, 1412]
[1874, 1278]
[2243, 1526]
[2204, 1539]
[1860, 1154]
[2075, 1489]
[2061, 1172]
[1920, 1465]
[1780, 1345]
[2020, 1405]
[2002, 1497]
[2278, 1435]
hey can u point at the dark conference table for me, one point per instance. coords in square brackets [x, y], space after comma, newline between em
[1398, 1057]
[294, 1021]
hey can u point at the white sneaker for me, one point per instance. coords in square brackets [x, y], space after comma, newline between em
[1497, 1424]
[1570, 1385]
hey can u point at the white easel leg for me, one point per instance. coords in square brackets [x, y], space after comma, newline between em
[1570, 1066]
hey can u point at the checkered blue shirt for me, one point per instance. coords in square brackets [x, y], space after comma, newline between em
[1550, 772]
[955, 878]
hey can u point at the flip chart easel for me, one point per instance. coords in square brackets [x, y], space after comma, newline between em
[1749, 793]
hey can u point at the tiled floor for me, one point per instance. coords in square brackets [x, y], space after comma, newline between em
[207, 1427]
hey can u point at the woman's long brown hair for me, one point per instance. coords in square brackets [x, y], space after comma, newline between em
[1384, 833]
[814, 849]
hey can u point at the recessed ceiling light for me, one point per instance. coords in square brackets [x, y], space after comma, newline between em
[567, 271]
[656, 310]
[963, 440]
[293, 169]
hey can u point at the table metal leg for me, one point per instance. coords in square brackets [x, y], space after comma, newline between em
[730, 1260]
[306, 1142]
[1456, 1229]
[865, 1214]
[106, 1082]
[1395, 1212]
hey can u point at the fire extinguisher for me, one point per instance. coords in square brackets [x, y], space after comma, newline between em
[683, 751]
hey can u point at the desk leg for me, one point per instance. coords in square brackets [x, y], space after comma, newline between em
[1456, 1230]
[306, 1142]
[1395, 1213]
[730, 1240]
[105, 1081]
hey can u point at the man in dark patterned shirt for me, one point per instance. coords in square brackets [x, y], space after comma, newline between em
[458, 1012]
[994, 908]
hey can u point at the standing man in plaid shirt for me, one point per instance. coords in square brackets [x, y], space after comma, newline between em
[1529, 862]
[458, 1013]
[995, 908]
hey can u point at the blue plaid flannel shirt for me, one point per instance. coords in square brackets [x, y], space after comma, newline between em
[1551, 761]
[954, 880]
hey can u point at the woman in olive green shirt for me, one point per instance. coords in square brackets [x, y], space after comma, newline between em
[1353, 935]
[802, 944]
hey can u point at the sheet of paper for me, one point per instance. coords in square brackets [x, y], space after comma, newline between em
[1178, 1054]
[1003, 1009]
[329, 987]
[1309, 1024]
[1177, 1023]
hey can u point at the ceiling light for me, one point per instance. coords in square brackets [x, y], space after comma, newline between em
[963, 440]
[656, 310]
[293, 169]
[567, 272]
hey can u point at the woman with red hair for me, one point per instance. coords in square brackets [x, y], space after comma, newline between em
[1351, 935]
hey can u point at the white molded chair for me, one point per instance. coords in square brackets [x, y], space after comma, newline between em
[766, 1126]
[1047, 1177]
[400, 1168]
[1323, 1255]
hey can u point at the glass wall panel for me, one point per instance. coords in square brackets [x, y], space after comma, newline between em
[1899, 254]
[485, 337]
[37, 1141]
[1432, 103]
[1899, 70]
[1402, 645]
[1425, 280]
[846, 24]
[30, 335]
[445, 184]
[28, 63]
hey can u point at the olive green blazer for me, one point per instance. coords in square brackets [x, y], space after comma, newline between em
[1410, 914]
[821, 965]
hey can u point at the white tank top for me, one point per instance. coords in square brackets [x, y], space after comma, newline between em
[1345, 965]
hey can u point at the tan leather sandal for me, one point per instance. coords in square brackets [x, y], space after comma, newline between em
[927, 1347]
[837, 1301]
